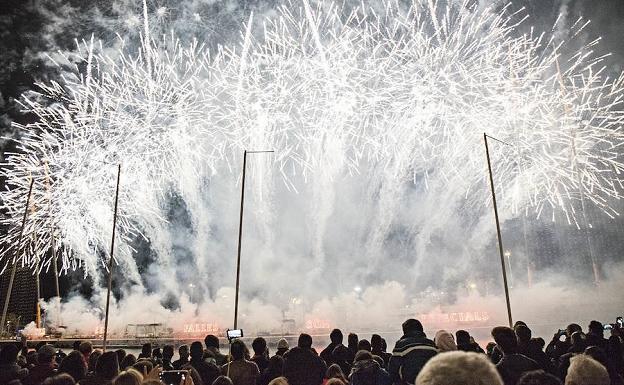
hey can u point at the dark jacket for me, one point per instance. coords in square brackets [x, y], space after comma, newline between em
[267, 376]
[368, 372]
[39, 373]
[409, 355]
[596, 340]
[207, 370]
[384, 356]
[10, 372]
[261, 361]
[534, 352]
[178, 364]
[303, 367]
[327, 353]
[512, 366]
[221, 359]
[471, 347]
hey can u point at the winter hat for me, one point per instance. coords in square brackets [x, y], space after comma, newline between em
[282, 344]
[444, 341]
[45, 353]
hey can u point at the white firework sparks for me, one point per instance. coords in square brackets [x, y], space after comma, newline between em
[408, 92]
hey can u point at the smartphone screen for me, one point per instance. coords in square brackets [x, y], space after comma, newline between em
[172, 377]
[237, 333]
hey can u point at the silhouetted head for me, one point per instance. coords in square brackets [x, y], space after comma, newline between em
[197, 350]
[76, 345]
[376, 343]
[336, 336]
[505, 339]
[578, 342]
[74, 365]
[523, 333]
[571, 328]
[237, 349]
[259, 346]
[183, 351]
[167, 353]
[364, 345]
[128, 361]
[143, 366]
[156, 353]
[352, 341]
[539, 342]
[412, 326]
[146, 350]
[363, 355]
[305, 341]
[462, 337]
[518, 323]
[86, 348]
[47, 353]
[211, 341]
[107, 366]
[538, 377]
[596, 328]
[8, 354]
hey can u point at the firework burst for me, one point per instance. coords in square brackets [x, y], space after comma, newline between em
[405, 92]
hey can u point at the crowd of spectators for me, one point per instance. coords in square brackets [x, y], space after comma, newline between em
[515, 357]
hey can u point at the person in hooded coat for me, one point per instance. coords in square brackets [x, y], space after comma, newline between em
[302, 366]
[444, 341]
[411, 353]
[366, 371]
[336, 338]
[9, 369]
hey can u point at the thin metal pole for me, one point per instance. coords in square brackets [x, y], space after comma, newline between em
[110, 262]
[38, 309]
[240, 232]
[498, 230]
[56, 282]
[240, 237]
[19, 243]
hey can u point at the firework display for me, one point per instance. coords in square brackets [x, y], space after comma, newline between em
[407, 92]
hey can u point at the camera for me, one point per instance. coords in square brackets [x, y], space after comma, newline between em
[233, 334]
[173, 377]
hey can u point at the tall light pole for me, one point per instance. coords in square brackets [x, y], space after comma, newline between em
[110, 261]
[498, 230]
[240, 231]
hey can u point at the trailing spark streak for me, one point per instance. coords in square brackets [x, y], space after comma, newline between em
[407, 93]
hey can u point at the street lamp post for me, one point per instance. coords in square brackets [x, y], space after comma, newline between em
[498, 230]
[240, 231]
[110, 262]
